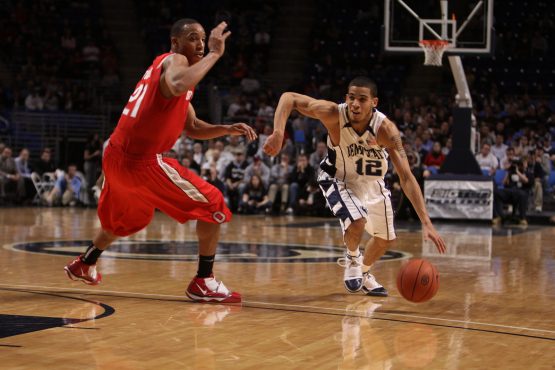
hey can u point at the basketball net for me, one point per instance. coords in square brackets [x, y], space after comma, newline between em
[433, 51]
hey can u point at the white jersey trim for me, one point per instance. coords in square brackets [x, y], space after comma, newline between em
[187, 187]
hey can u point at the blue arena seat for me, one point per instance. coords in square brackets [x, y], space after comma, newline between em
[551, 180]
[499, 176]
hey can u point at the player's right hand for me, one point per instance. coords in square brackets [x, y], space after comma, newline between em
[216, 41]
[273, 144]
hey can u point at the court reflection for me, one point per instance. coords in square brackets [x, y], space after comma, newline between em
[463, 242]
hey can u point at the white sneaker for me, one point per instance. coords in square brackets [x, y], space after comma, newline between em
[371, 287]
[352, 278]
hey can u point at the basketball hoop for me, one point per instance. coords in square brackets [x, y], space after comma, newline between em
[433, 51]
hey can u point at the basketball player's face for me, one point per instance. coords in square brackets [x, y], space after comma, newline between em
[360, 102]
[190, 43]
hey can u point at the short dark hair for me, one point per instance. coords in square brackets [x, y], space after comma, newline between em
[177, 27]
[363, 81]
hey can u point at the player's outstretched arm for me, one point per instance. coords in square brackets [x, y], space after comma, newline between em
[198, 129]
[390, 138]
[178, 76]
[323, 110]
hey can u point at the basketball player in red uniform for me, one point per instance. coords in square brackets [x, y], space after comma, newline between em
[138, 179]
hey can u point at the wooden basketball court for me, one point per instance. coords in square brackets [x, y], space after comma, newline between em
[494, 308]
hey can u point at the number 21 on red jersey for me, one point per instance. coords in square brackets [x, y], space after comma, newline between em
[135, 100]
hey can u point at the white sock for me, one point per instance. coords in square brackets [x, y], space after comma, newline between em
[365, 268]
[354, 253]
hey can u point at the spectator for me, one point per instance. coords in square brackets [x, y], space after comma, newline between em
[500, 148]
[44, 164]
[22, 164]
[259, 168]
[234, 175]
[10, 179]
[435, 158]
[234, 143]
[515, 192]
[280, 175]
[539, 175]
[250, 85]
[302, 185]
[212, 178]
[508, 159]
[34, 100]
[92, 165]
[198, 155]
[66, 189]
[318, 156]
[190, 164]
[255, 197]
[486, 160]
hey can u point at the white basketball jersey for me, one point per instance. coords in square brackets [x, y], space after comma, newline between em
[357, 157]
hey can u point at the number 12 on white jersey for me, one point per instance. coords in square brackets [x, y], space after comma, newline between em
[137, 97]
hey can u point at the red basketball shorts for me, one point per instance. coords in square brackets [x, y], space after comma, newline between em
[134, 187]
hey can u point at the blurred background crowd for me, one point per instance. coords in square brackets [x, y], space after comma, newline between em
[72, 64]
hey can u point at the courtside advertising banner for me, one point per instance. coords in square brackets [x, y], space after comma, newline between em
[459, 199]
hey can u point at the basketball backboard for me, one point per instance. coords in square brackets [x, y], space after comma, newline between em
[466, 24]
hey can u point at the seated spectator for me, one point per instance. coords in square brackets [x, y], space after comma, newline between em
[255, 197]
[435, 157]
[44, 164]
[225, 156]
[22, 164]
[319, 155]
[539, 175]
[213, 179]
[250, 85]
[499, 148]
[215, 160]
[240, 109]
[234, 175]
[198, 154]
[280, 175]
[66, 189]
[265, 111]
[259, 168]
[486, 160]
[508, 158]
[191, 165]
[234, 143]
[34, 101]
[517, 183]
[11, 180]
[302, 183]
[92, 165]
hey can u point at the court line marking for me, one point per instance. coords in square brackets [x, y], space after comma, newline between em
[276, 260]
[343, 312]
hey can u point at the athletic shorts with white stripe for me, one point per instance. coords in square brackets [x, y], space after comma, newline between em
[135, 186]
[362, 199]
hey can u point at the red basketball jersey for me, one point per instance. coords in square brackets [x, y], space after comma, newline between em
[151, 123]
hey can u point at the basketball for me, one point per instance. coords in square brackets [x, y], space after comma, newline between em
[418, 281]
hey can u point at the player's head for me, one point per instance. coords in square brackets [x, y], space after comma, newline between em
[188, 38]
[361, 98]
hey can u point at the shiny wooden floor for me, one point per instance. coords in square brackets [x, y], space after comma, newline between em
[494, 310]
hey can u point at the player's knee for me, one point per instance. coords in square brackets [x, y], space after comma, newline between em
[357, 226]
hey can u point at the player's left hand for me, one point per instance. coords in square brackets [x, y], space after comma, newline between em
[238, 129]
[430, 233]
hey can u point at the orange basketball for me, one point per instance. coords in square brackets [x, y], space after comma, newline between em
[418, 281]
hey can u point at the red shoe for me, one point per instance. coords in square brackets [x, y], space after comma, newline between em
[78, 270]
[210, 290]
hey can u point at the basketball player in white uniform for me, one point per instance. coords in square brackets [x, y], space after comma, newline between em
[360, 140]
